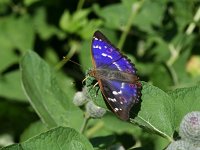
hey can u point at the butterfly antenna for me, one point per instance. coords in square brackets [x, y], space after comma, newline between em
[65, 59]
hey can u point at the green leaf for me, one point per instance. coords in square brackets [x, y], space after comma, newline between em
[157, 112]
[92, 25]
[84, 55]
[186, 100]
[183, 11]
[95, 92]
[157, 76]
[118, 126]
[10, 86]
[118, 12]
[72, 23]
[18, 30]
[155, 102]
[45, 95]
[61, 138]
[34, 129]
[152, 11]
[30, 2]
[44, 29]
[16, 33]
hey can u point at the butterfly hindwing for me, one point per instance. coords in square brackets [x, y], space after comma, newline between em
[120, 96]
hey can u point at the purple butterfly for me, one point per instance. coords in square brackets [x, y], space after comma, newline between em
[116, 76]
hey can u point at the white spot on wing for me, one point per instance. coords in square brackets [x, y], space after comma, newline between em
[122, 85]
[117, 93]
[105, 55]
[112, 99]
[116, 109]
[96, 46]
[118, 67]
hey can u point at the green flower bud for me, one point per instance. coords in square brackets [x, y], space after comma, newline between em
[190, 128]
[94, 111]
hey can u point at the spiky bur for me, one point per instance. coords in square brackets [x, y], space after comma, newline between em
[190, 128]
[181, 145]
[94, 111]
[86, 97]
[80, 98]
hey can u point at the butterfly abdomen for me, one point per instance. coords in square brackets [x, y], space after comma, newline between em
[108, 74]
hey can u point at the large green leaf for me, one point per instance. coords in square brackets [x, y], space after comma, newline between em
[155, 102]
[157, 112]
[54, 106]
[61, 138]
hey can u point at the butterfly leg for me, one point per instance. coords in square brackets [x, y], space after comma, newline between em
[97, 89]
[97, 92]
[85, 79]
[95, 85]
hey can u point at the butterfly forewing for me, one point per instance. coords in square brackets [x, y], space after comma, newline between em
[105, 55]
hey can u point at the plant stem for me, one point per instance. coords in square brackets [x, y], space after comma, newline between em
[176, 50]
[192, 25]
[80, 4]
[95, 128]
[85, 122]
[135, 9]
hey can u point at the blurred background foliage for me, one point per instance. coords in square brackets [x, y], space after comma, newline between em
[161, 37]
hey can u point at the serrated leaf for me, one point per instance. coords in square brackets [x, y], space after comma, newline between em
[61, 138]
[52, 105]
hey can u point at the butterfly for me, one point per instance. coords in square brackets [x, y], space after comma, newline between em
[116, 76]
